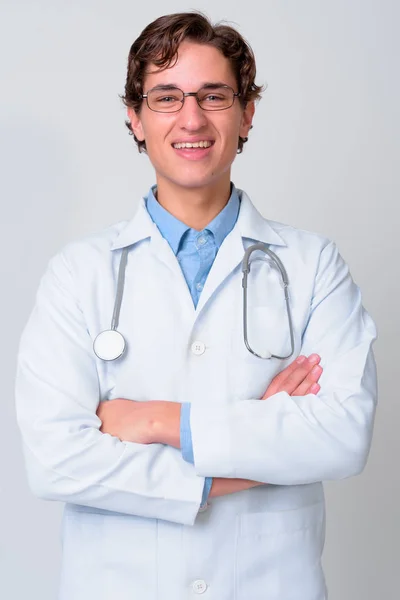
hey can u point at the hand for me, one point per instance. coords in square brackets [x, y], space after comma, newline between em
[298, 379]
[128, 420]
[153, 421]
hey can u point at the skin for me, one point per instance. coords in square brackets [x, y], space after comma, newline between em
[158, 421]
[194, 191]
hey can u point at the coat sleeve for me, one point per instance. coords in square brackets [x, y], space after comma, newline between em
[288, 440]
[57, 394]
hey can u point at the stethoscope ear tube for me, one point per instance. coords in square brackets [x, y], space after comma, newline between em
[285, 281]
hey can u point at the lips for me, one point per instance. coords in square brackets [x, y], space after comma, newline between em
[193, 154]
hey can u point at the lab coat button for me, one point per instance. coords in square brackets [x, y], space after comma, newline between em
[199, 586]
[198, 348]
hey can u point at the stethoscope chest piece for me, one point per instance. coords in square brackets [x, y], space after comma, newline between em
[109, 345]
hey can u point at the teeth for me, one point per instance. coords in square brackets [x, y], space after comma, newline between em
[205, 144]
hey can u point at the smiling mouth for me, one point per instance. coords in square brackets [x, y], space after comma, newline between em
[193, 145]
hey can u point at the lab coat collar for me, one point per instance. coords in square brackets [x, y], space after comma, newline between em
[250, 224]
[140, 227]
[254, 226]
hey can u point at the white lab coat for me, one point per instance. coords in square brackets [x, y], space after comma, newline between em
[131, 526]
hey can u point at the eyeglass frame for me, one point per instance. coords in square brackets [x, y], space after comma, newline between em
[186, 94]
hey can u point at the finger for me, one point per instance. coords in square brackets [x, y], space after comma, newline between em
[292, 375]
[280, 378]
[299, 375]
[314, 389]
[311, 378]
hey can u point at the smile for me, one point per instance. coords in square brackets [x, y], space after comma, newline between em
[201, 144]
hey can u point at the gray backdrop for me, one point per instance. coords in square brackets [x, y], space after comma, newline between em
[321, 157]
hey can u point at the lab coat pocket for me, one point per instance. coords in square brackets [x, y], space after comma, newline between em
[278, 554]
[268, 330]
[106, 555]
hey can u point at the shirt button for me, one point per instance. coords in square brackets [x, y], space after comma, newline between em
[199, 586]
[201, 240]
[198, 348]
[199, 286]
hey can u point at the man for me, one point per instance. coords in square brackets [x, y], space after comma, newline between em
[191, 465]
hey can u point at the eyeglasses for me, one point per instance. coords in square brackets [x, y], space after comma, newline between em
[170, 99]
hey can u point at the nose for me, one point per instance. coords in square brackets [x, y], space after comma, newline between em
[191, 116]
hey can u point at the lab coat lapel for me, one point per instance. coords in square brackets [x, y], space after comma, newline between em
[250, 227]
[142, 227]
[228, 258]
[163, 252]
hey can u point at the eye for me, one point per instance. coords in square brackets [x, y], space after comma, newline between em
[214, 98]
[166, 99]
[219, 97]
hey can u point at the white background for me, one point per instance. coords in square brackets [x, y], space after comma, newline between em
[323, 156]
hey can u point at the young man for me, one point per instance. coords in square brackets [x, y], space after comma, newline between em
[192, 463]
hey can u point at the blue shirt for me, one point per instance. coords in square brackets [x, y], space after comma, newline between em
[195, 251]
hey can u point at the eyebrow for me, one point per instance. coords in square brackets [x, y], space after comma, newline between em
[207, 85]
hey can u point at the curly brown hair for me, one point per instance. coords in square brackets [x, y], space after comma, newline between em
[159, 42]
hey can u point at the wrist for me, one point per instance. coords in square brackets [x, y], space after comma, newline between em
[165, 423]
[223, 487]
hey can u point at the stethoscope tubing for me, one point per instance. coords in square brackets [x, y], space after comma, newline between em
[118, 338]
[120, 289]
[285, 284]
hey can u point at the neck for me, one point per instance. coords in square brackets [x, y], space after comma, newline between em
[196, 207]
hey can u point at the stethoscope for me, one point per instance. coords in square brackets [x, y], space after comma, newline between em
[110, 344]
[285, 284]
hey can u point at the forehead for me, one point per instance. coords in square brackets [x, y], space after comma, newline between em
[196, 64]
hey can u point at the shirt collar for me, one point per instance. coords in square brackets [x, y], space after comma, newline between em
[172, 229]
[225, 220]
[250, 223]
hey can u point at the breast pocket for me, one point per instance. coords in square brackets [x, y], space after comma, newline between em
[267, 333]
[278, 554]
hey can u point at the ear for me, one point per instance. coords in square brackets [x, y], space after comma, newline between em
[136, 124]
[247, 119]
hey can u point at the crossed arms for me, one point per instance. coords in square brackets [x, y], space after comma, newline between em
[287, 439]
[158, 421]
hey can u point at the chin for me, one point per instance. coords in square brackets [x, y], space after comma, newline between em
[193, 180]
[194, 183]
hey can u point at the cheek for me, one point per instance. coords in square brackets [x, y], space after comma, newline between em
[231, 143]
[154, 145]
[155, 134]
[231, 133]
